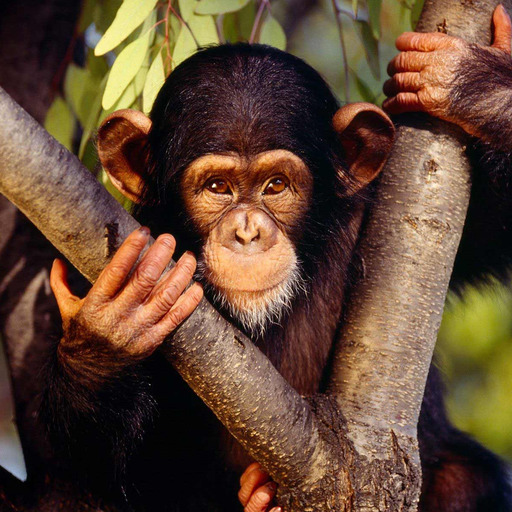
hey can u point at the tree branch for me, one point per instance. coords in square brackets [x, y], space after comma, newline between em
[385, 348]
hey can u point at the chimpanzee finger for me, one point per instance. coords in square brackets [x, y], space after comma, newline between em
[423, 42]
[403, 102]
[408, 61]
[168, 290]
[261, 498]
[148, 271]
[402, 82]
[114, 274]
[249, 469]
[66, 300]
[252, 478]
[181, 310]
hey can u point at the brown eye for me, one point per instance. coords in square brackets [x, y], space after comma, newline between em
[275, 186]
[218, 186]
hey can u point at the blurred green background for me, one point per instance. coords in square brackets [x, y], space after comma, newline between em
[475, 341]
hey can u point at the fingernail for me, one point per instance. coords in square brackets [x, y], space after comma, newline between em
[144, 230]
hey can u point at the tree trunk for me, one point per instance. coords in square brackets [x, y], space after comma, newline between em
[385, 347]
[352, 450]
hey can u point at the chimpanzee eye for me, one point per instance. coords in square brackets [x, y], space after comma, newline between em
[275, 186]
[218, 186]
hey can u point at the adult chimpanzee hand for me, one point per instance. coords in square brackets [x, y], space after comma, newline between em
[435, 73]
[257, 490]
[124, 317]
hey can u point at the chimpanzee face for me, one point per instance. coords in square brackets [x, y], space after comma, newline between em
[246, 211]
[248, 148]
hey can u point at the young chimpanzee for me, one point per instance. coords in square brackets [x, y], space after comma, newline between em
[249, 161]
[470, 86]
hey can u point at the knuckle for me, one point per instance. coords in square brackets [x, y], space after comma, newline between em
[400, 60]
[147, 273]
[170, 293]
[114, 271]
[260, 499]
[189, 267]
[400, 80]
[176, 316]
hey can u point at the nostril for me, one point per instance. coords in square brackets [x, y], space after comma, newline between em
[244, 237]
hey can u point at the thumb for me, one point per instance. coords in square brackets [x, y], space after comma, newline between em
[67, 302]
[502, 29]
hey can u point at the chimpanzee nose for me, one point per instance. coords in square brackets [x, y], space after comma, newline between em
[247, 234]
[249, 231]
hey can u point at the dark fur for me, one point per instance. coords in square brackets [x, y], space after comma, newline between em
[481, 94]
[246, 99]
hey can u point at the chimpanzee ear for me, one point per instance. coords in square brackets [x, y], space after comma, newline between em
[366, 134]
[122, 150]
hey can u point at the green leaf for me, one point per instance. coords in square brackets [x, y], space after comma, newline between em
[205, 32]
[125, 67]
[130, 94]
[60, 122]
[416, 12]
[219, 6]
[129, 16]
[154, 81]
[74, 87]
[374, 8]
[272, 33]
[187, 8]
[92, 118]
[96, 65]
[80, 89]
[371, 46]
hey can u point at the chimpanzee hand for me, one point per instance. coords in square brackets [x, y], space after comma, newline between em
[430, 67]
[122, 320]
[257, 490]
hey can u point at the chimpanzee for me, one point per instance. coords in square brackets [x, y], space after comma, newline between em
[470, 86]
[249, 161]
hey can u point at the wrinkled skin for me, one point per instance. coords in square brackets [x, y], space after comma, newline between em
[422, 79]
[124, 318]
[423, 73]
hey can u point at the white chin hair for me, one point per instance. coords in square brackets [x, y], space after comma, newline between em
[258, 310]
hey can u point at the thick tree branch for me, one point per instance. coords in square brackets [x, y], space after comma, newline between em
[386, 345]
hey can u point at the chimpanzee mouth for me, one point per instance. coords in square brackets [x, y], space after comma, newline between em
[255, 311]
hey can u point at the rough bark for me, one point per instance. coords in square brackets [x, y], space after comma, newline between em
[386, 344]
[366, 458]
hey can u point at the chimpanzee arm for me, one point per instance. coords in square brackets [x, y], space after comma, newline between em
[471, 86]
[97, 399]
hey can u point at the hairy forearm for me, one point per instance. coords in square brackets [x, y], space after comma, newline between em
[84, 409]
[481, 96]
